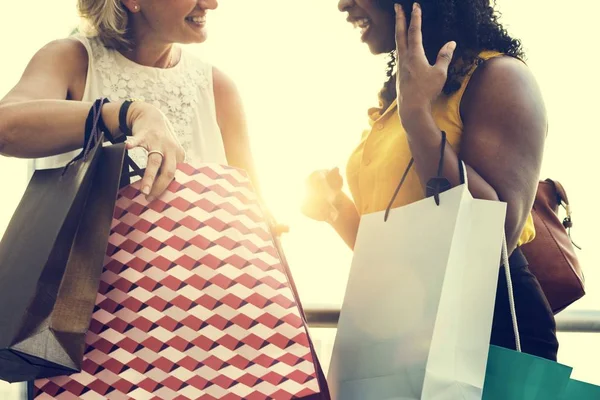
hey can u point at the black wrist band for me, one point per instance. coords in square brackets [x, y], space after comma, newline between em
[123, 117]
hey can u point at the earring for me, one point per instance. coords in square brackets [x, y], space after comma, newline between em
[136, 8]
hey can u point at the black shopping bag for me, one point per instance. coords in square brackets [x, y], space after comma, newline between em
[51, 258]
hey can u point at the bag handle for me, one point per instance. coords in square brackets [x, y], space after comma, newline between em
[126, 175]
[563, 200]
[93, 135]
[511, 295]
[436, 185]
[560, 191]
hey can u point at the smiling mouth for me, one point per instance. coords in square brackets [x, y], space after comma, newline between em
[199, 21]
[363, 24]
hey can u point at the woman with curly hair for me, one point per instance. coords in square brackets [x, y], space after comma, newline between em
[458, 71]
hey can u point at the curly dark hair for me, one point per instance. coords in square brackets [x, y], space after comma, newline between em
[472, 24]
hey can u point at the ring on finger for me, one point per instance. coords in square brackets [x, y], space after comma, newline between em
[156, 152]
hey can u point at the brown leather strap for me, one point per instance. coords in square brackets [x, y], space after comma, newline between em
[560, 191]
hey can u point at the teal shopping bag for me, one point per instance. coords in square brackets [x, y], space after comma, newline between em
[519, 376]
[577, 390]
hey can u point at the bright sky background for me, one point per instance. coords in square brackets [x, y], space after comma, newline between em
[307, 82]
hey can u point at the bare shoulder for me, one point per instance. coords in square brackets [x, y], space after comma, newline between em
[228, 101]
[69, 53]
[503, 86]
[67, 47]
[505, 126]
[224, 86]
[231, 117]
[53, 72]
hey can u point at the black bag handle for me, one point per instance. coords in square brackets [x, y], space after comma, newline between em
[93, 135]
[436, 185]
[126, 174]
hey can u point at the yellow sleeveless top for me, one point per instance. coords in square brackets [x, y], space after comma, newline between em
[376, 166]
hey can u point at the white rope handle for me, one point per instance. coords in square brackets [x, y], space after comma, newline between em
[465, 175]
[506, 265]
[511, 296]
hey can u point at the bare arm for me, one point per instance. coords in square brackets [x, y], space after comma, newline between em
[502, 142]
[36, 120]
[505, 127]
[504, 123]
[232, 122]
[234, 131]
[325, 201]
[346, 225]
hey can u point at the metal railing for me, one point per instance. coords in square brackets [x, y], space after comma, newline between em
[582, 321]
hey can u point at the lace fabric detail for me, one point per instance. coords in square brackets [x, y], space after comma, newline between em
[174, 91]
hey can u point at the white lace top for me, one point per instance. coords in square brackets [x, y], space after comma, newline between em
[183, 93]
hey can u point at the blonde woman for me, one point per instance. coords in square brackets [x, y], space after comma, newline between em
[128, 49]
[188, 109]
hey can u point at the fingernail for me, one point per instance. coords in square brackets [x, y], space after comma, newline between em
[146, 190]
[415, 5]
[396, 7]
[452, 46]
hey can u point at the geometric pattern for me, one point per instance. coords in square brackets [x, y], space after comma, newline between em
[193, 301]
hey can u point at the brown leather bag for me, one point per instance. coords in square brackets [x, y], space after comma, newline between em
[551, 255]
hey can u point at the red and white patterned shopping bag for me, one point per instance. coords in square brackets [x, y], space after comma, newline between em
[194, 302]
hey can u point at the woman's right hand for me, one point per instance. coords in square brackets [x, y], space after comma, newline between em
[152, 131]
[323, 188]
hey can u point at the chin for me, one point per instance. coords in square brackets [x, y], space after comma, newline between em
[374, 49]
[379, 45]
[378, 48]
[195, 39]
[201, 39]
[192, 35]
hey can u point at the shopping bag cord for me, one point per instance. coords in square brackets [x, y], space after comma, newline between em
[389, 207]
[511, 295]
[438, 185]
[93, 134]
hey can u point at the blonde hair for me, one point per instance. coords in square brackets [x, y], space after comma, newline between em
[105, 19]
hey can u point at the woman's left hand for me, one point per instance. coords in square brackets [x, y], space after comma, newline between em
[418, 83]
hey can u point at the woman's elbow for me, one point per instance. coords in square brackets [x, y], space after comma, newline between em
[3, 134]
[6, 134]
[516, 217]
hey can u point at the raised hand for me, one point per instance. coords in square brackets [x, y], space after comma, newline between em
[418, 82]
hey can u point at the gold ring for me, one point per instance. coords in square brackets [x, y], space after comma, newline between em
[156, 152]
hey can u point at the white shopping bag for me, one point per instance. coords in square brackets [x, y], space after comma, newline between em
[417, 315]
